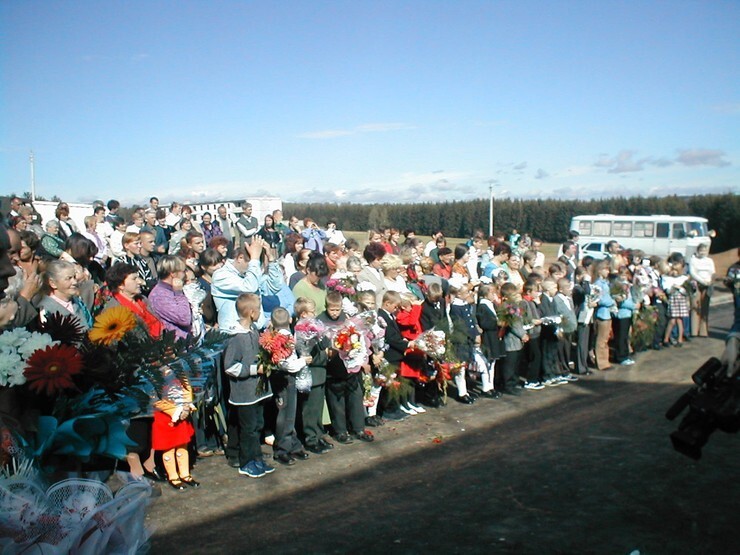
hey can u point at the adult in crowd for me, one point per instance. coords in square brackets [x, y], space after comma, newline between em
[132, 255]
[513, 267]
[702, 270]
[392, 268]
[372, 274]
[224, 221]
[244, 274]
[311, 286]
[67, 226]
[174, 215]
[52, 245]
[247, 225]
[313, 236]
[61, 293]
[210, 261]
[301, 265]
[333, 235]
[269, 233]
[210, 227]
[220, 244]
[168, 301]
[125, 286]
[176, 241]
[292, 244]
[91, 233]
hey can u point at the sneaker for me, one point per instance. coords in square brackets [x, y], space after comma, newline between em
[627, 362]
[252, 469]
[417, 408]
[266, 468]
[569, 377]
[408, 410]
[552, 382]
[533, 385]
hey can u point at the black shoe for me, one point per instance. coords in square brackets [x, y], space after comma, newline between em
[326, 444]
[284, 458]
[233, 463]
[190, 481]
[344, 439]
[491, 394]
[300, 455]
[317, 449]
[177, 484]
[365, 436]
[154, 475]
[467, 400]
[374, 421]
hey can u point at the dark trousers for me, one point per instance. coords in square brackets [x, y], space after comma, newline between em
[286, 400]
[582, 342]
[550, 362]
[564, 354]
[621, 329]
[245, 427]
[344, 399]
[533, 362]
[312, 408]
[661, 324]
[509, 369]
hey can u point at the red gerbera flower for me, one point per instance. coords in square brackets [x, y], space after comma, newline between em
[51, 370]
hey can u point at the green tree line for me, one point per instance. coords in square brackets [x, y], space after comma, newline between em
[547, 219]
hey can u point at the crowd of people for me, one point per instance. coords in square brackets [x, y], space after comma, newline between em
[490, 317]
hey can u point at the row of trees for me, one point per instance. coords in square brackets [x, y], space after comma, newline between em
[547, 219]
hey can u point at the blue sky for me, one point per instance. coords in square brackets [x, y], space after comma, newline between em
[369, 101]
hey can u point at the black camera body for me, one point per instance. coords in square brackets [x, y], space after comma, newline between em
[713, 403]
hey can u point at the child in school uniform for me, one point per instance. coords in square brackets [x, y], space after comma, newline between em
[531, 367]
[311, 403]
[568, 325]
[286, 448]
[465, 335]
[514, 340]
[434, 308]
[344, 392]
[551, 370]
[244, 373]
[492, 345]
[412, 366]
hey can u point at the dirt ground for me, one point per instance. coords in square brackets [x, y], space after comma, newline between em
[584, 468]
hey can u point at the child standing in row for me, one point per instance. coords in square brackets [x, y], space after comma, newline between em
[242, 368]
[492, 345]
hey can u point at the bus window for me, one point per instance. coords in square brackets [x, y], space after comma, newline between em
[622, 229]
[644, 229]
[603, 229]
[584, 228]
[662, 230]
[678, 231]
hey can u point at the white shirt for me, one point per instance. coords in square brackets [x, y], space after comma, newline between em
[702, 269]
[172, 219]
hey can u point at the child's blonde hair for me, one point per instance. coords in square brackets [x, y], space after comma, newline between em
[280, 319]
[247, 302]
[303, 305]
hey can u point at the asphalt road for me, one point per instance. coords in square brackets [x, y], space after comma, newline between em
[582, 468]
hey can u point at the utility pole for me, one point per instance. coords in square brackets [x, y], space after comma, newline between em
[33, 179]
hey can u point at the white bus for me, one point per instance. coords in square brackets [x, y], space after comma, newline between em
[660, 235]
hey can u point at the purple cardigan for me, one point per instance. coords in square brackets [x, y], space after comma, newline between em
[173, 309]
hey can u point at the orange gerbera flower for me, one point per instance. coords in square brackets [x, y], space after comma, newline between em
[50, 370]
[111, 325]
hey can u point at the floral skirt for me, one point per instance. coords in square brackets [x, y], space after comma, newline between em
[167, 435]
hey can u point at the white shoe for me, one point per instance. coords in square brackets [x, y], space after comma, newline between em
[408, 410]
[552, 382]
[417, 408]
[533, 385]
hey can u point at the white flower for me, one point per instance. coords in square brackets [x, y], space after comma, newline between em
[36, 342]
[14, 338]
[11, 369]
[365, 286]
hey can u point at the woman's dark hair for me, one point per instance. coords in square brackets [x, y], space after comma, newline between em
[30, 239]
[351, 244]
[204, 214]
[117, 274]
[81, 249]
[460, 251]
[317, 264]
[209, 257]
[373, 252]
[291, 239]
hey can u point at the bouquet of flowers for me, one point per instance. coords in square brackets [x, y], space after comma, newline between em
[308, 333]
[275, 347]
[507, 314]
[352, 346]
[374, 329]
[344, 283]
[432, 343]
[387, 377]
[644, 323]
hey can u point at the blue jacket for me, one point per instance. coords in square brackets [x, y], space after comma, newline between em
[605, 300]
[228, 284]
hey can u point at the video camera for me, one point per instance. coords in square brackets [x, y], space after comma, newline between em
[714, 403]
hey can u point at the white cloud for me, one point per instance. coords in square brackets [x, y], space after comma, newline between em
[541, 174]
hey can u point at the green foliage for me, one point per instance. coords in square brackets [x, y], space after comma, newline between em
[546, 219]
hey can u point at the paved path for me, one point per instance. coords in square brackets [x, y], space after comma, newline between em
[582, 468]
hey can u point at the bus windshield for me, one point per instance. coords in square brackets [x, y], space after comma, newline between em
[697, 229]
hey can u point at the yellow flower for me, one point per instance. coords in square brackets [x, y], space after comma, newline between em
[111, 325]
